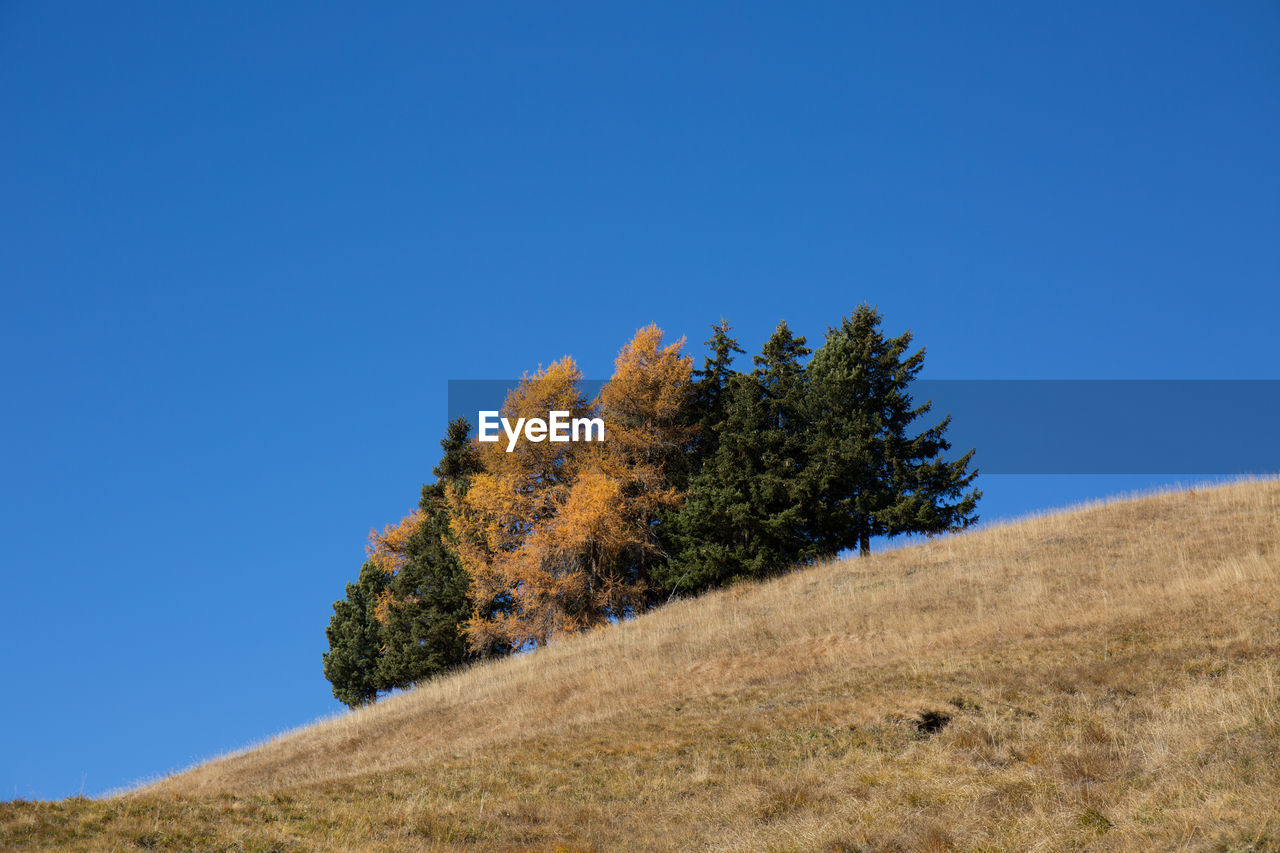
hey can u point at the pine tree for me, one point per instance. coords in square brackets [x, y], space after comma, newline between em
[427, 601]
[871, 475]
[711, 392]
[424, 603]
[747, 511]
[705, 415]
[461, 461]
[355, 640]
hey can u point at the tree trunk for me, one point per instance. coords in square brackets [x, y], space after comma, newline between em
[864, 545]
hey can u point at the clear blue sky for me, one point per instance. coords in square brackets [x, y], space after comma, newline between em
[243, 246]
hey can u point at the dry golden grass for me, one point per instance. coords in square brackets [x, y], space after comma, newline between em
[1102, 679]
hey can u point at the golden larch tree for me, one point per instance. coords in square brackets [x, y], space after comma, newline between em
[645, 406]
[564, 532]
[501, 521]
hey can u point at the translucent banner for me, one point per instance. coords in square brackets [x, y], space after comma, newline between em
[1066, 426]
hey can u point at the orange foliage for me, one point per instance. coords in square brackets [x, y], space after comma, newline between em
[564, 530]
[643, 406]
[388, 551]
[501, 521]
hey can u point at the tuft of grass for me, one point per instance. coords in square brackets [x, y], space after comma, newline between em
[1102, 679]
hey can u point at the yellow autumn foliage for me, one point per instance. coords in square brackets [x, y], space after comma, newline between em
[562, 532]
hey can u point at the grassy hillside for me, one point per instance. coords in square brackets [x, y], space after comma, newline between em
[1106, 679]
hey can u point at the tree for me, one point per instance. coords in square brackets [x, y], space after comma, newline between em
[646, 404]
[424, 603]
[711, 392]
[355, 640]
[460, 462]
[871, 476]
[747, 510]
[402, 621]
[568, 532]
[501, 523]
[427, 601]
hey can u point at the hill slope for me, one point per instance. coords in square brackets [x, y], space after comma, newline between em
[1106, 678]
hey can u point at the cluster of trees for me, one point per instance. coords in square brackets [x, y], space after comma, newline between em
[706, 476]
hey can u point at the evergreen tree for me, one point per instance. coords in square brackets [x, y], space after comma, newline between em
[711, 391]
[460, 461]
[705, 416]
[428, 598]
[425, 602]
[355, 640]
[871, 475]
[746, 512]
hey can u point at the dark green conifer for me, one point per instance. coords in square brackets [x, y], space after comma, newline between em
[430, 594]
[746, 511]
[711, 391]
[706, 415]
[460, 461]
[428, 602]
[423, 605]
[355, 640]
[870, 475]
